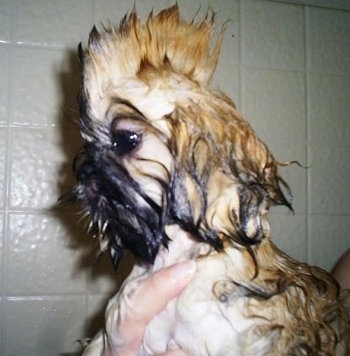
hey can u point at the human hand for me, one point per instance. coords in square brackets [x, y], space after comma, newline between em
[144, 303]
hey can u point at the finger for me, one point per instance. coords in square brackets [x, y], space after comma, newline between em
[148, 299]
[154, 292]
[174, 353]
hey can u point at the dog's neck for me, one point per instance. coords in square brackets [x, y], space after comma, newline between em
[182, 247]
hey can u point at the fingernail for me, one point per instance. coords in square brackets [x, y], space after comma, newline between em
[183, 270]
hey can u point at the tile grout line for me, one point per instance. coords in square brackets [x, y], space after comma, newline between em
[320, 5]
[240, 60]
[307, 134]
[7, 177]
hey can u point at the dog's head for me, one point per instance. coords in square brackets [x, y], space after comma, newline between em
[161, 148]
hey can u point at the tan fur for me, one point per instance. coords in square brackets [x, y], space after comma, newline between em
[256, 299]
[121, 56]
[135, 47]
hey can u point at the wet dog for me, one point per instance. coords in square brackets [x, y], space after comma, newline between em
[171, 171]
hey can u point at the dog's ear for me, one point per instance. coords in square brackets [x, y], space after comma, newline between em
[231, 169]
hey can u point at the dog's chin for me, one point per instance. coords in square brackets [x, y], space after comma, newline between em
[121, 214]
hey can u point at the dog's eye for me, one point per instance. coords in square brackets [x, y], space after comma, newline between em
[125, 141]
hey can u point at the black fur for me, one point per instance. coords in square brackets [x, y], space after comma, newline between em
[112, 197]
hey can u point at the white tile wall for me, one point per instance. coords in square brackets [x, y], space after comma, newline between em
[5, 21]
[5, 80]
[328, 41]
[1, 249]
[333, 91]
[31, 237]
[273, 35]
[42, 325]
[41, 98]
[284, 118]
[285, 63]
[290, 232]
[52, 23]
[329, 191]
[328, 232]
[3, 133]
[35, 172]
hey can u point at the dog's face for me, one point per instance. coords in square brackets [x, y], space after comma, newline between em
[161, 148]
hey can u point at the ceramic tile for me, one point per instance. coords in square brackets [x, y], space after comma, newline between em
[96, 313]
[3, 152]
[329, 40]
[5, 20]
[40, 172]
[4, 82]
[273, 35]
[329, 180]
[108, 11]
[329, 239]
[329, 4]
[41, 246]
[43, 326]
[289, 233]
[2, 237]
[226, 79]
[328, 109]
[45, 86]
[274, 103]
[52, 23]
[103, 277]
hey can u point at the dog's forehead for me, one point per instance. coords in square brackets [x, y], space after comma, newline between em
[155, 98]
[154, 65]
[155, 95]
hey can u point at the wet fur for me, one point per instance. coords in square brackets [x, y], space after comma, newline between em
[217, 185]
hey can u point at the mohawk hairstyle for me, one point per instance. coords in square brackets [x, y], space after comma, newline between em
[163, 39]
